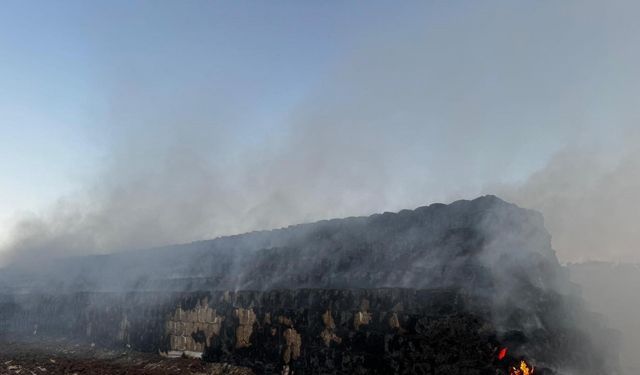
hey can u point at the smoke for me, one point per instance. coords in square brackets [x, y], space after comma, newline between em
[589, 199]
[533, 102]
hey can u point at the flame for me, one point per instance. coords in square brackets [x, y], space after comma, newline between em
[502, 353]
[524, 369]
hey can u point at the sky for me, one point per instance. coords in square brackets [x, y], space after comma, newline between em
[133, 124]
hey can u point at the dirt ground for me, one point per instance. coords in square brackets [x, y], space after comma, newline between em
[60, 356]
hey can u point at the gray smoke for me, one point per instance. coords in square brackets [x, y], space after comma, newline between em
[416, 111]
[533, 101]
[590, 202]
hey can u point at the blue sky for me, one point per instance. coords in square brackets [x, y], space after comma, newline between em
[62, 62]
[288, 111]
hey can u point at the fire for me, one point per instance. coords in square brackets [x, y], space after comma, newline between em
[502, 354]
[523, 370]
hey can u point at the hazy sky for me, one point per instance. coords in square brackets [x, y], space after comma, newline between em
[138, 123]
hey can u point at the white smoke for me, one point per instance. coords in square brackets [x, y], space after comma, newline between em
[533, 102]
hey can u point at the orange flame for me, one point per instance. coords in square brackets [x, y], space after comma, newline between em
[524, 369]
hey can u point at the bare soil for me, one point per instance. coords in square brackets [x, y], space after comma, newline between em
[43, 356]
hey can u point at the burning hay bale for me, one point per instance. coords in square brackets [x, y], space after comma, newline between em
[434, 290]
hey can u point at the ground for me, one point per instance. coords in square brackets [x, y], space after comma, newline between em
[61, 356]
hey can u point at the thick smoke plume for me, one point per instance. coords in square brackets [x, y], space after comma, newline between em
[535, 102]
[590, 202]
[420, 109]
